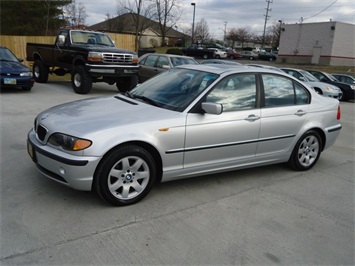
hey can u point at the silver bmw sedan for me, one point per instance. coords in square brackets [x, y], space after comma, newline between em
[189, 121]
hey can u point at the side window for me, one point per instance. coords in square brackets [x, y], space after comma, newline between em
[150, 61]
[235, 92]
[162, 61]
[282, 91]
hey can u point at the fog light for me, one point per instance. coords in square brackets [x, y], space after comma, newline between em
[62, 171]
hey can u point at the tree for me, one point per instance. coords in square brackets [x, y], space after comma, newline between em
[36, 18]
[201, 31]
[168, 12]
[76, 13]
[141, 12]
[241, 35]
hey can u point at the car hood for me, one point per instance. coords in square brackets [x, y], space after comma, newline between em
[80, 118]
[12, 67]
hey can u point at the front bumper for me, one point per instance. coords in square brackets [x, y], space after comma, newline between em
[113, 70]
[74, 171]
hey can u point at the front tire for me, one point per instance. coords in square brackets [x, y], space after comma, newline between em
[124, 84]
[81, 80]
[306, 152]
[125, 175]
[40, 71]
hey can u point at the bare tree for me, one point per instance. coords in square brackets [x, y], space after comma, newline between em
[168, 12]
[141, 12]
[241, 35]
[201, 31]
[77, 13]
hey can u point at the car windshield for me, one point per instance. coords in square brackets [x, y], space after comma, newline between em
[177, 61]
[91, 38]
[331, 77]
[6, 55]
[174, 89]
[309, 76]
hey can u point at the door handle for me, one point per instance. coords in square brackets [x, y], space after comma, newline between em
[252, 118]
[300, 112]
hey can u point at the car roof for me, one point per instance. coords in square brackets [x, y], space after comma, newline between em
[225, 68]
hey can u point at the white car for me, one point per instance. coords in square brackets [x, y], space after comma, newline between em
[322, 88]
[219, 53]
[192, 120]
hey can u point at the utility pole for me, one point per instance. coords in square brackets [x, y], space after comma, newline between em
[266, 19]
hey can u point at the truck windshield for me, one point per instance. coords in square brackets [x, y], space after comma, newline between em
[91, 38]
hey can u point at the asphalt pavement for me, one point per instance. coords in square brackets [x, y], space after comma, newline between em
[262, 216]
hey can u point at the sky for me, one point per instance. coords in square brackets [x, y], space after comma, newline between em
[222, 15]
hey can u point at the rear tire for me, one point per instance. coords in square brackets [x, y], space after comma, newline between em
[40, 71]
[125, 175]
[306, 152]
[126, 83]
[81, 80]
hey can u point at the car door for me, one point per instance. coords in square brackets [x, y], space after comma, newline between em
[283, 114]
[147, 67]
[221, 141]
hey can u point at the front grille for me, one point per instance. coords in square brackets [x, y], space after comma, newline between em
[41, 132]
[117, 58]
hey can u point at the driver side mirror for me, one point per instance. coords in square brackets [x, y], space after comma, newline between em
[212, 108]
[61, 40]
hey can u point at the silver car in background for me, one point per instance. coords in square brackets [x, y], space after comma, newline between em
[322, 88]
[189, 121]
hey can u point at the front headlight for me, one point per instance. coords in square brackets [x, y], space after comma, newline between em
[69, 143]
[352, 87]
[95, 56]
[135, 58]
[26, 74]
[331, 89]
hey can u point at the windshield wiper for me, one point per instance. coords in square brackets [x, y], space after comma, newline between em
[130, 95]
[146, 99]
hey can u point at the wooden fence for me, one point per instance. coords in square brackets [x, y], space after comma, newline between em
[17, 44]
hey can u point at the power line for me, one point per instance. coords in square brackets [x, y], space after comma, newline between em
[303, 19]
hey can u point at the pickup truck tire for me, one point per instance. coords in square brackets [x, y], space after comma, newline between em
[126, 83]
[40, 71]
[81, 80]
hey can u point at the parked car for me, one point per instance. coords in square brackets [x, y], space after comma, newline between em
[192, 120]
[153, 64]
[347, 89]
[322, 88]
[267, 56]
[265, 66]
[220, 61]
[14, 74]
[218, 53]
[344, 78]
[249, 54]
[233, 54]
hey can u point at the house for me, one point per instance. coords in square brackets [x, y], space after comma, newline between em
[149, 30]
[324, 43]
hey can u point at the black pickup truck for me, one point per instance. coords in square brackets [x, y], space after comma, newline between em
[198, 51]
[88, 56]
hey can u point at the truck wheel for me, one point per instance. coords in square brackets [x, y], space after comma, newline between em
[205, 56]
[81, 80]
[126, 83]
[40, 71]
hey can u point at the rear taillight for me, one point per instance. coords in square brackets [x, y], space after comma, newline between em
[339, 113]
